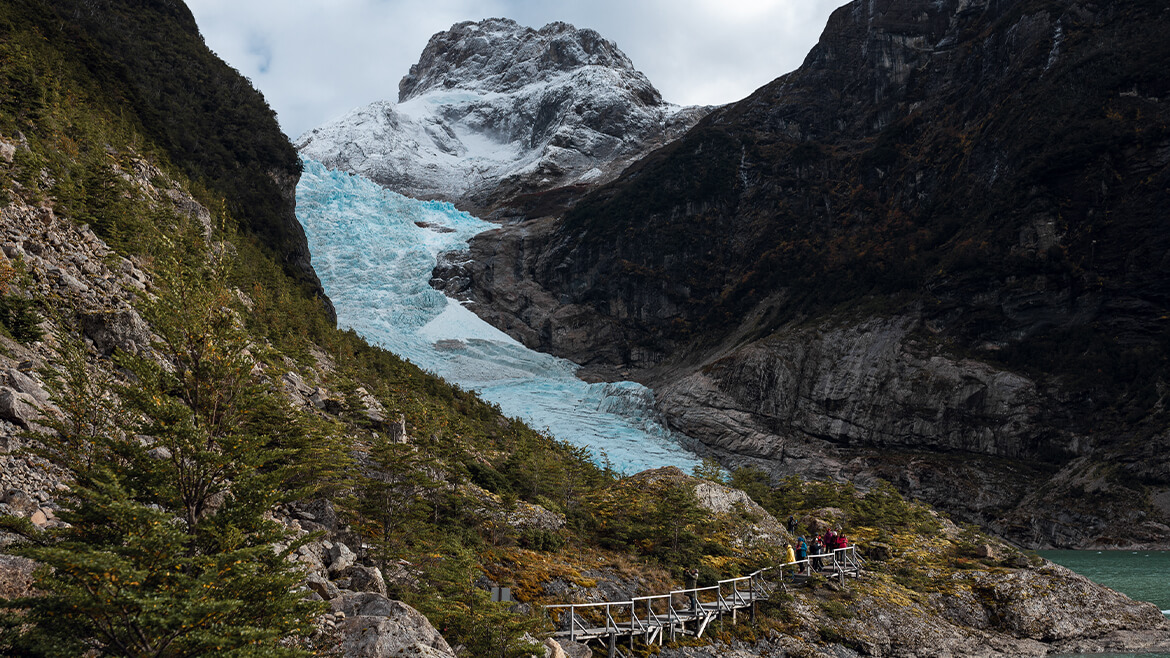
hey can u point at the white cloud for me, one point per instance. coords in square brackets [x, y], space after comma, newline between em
[315, 60]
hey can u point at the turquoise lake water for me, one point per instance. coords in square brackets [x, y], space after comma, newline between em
[1141, 575]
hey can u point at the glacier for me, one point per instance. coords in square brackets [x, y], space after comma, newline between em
[374, 251]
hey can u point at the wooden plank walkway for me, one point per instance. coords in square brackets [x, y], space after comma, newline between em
[656, 619]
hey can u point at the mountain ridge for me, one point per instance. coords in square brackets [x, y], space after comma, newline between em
[493, 109]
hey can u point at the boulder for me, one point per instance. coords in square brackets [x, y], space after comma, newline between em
[566, 648]
[322, 586]
[877, 551]
[17, 407]
[121, 329]
[340, 558]
[10, 444]
[323, 399]
[313, 556]
[25, 383]
[362, 579]
[318, 511]
[552, 649]
[374, 411]
[377, 627]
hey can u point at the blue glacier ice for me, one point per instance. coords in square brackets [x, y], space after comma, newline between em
[374, 251]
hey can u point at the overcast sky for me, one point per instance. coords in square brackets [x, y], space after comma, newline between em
[317, 59]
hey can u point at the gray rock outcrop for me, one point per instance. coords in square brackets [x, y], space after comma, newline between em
[17, 407]
[378, 627]
[122, 329]
[340, 558]
[359, 578]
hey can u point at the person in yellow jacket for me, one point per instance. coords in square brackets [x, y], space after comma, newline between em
[789, 556]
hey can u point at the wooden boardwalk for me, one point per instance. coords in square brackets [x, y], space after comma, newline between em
[662, 617]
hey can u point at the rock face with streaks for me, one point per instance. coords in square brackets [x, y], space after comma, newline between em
[494, 109]
[934, 254]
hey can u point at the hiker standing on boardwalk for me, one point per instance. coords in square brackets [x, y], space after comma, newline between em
[692, 581]
[817, 549]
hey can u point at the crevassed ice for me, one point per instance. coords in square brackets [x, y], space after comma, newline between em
[374, 251]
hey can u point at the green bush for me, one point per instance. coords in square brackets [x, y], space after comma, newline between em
[20, 318]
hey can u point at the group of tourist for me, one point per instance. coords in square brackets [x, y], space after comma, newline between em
[823, 544]
[828, 542]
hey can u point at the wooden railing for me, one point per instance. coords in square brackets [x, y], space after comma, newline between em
[649, 617]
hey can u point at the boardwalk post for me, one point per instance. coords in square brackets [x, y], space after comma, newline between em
[633, 618]
[613, 646]
[752, 593]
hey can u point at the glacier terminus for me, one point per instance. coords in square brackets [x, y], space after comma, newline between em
[374, 251]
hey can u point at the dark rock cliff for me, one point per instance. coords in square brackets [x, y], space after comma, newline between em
[935, 253]
[211, 121]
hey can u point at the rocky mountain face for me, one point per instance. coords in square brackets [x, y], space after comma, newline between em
[216, 128]
[494, 109]
[935, 254]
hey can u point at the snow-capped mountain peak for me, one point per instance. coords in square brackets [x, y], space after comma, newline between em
[501, 55]
[493, 108]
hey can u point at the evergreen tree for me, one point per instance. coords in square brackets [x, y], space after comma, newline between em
[168, 551]
[676, 512]
[466, 614]
[709, 469]
[392, 503]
